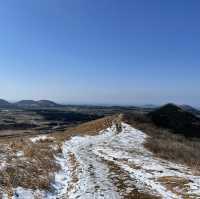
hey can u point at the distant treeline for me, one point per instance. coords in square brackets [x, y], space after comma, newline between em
[58, 115]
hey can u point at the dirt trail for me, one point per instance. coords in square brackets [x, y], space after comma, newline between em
[112, 165]
[97, 177]
[116, 165]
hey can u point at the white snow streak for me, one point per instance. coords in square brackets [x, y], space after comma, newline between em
[41, 138]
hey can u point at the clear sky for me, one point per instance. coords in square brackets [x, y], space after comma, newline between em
[100, 51]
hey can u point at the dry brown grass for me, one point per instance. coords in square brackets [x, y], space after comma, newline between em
[88, 128]
[167, 145]
[36, 168]
[177, 185]
[74, 165]
[124, 185]
[176, 148]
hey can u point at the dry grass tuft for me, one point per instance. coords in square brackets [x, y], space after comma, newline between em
[177, 185]
[174, 183]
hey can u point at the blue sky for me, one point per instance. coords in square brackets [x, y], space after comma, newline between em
[100, 52]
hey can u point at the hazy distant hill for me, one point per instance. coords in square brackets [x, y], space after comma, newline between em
[4, 104]
[190, 109]
[149, 106]
[27, 103]
[47, 103]
[177, 119]
[36, 104]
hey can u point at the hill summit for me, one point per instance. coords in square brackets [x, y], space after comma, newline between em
[35, 104]
[4, 103]
[177, 119]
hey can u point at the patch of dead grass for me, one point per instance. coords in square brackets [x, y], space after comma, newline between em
[35, 170]
[74, 165]
[177, 185]
[121, 180]
[88, 128]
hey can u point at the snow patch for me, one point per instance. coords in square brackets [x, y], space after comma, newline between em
[20, 154]
[41, 138]
[3, 165]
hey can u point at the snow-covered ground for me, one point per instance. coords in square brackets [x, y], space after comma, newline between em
[113, 165]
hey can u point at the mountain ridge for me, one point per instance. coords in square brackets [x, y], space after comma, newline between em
[28, 104]
[4, 103]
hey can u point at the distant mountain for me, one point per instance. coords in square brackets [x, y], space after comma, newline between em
[149, 106]
[190, 109]
[36, 104]
[26, 103]
[47, 103]
[4, 104]
[177, 119]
